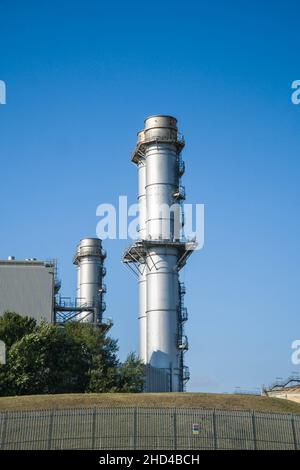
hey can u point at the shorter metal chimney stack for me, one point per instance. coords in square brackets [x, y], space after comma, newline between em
[89, 260]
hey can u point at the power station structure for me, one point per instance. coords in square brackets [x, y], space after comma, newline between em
[159, 253]
[31, 288]
[89, 260]
[89, 305]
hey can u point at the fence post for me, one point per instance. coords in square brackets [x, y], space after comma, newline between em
[135, 428]
[215, 430]
[3, 437]
[294, 432]
[50, 429]
[175, 428]
[94, 429]
[254, 431]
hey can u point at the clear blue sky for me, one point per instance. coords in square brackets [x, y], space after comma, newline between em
[81, 77]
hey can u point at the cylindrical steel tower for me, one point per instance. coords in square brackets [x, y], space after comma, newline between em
[90, 272]
[143, 266]
[142, 191]
[142, 280]
[162, 181]
[160, 252]
[162, 305]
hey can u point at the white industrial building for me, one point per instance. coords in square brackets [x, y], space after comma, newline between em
[28, 288]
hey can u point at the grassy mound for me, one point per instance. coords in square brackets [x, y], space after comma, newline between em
[153, 400]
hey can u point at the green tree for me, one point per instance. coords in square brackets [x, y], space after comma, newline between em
[132, 375]
[13, 327]
[102, 351]
[76, 358]
[47, 361]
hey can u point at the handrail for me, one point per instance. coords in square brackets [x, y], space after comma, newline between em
[284, 382]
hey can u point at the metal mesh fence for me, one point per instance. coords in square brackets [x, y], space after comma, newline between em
[147, 429]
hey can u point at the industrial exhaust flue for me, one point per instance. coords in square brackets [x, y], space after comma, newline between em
[89, 259]
[160, 253]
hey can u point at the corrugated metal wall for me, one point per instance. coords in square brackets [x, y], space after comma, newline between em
[27, 290]
[147, 429]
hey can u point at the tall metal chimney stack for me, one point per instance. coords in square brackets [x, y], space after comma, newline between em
[89, 259]
[159, 254]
